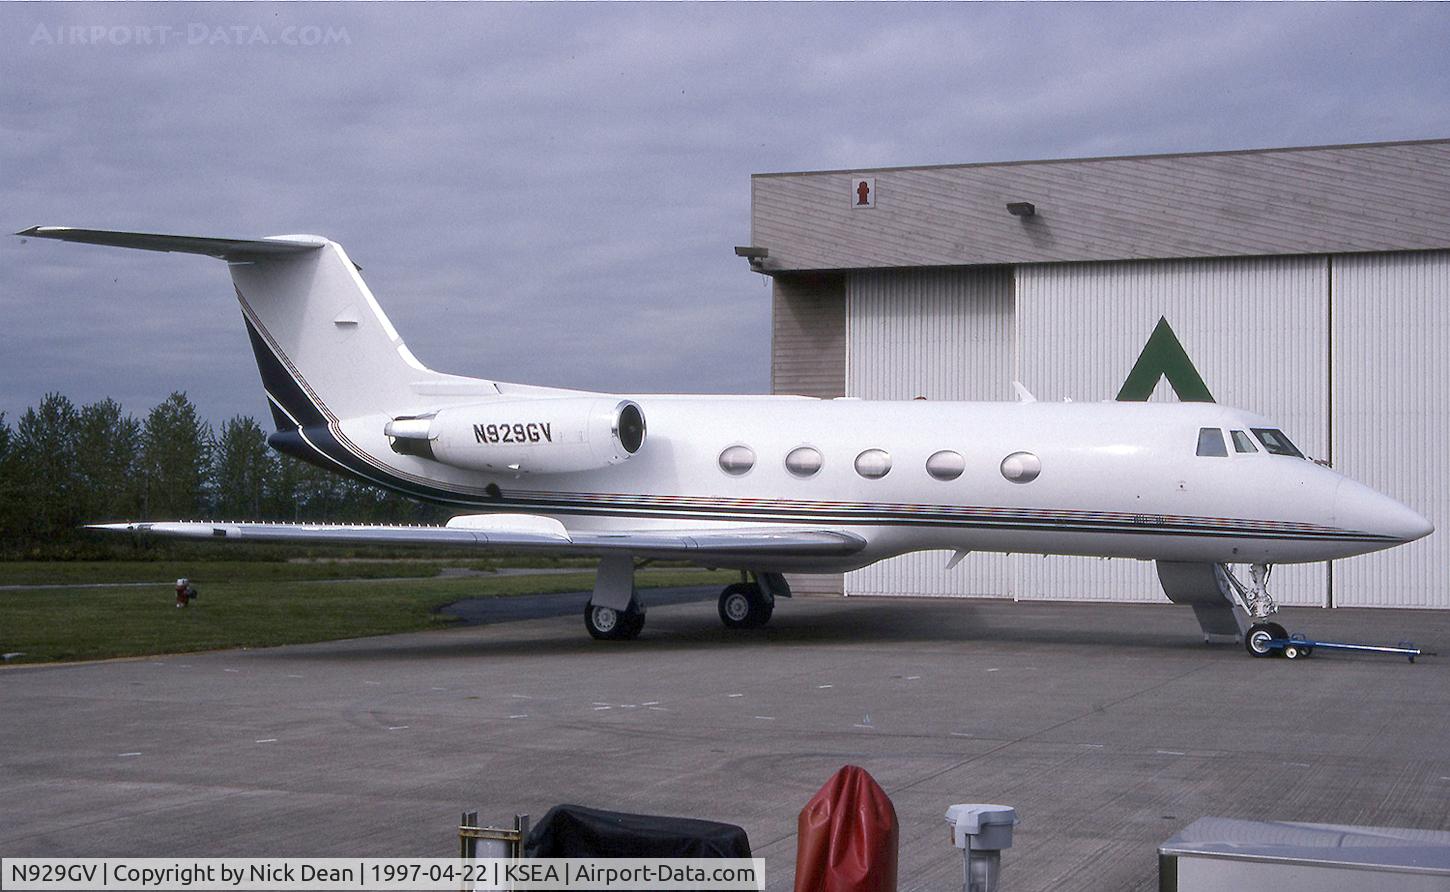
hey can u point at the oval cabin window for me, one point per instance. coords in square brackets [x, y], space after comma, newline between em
[803, 461]
[737, 460]
[1021, 467]
[946, 465]
[873, 464]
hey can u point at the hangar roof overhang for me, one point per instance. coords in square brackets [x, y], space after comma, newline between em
[1371, 197]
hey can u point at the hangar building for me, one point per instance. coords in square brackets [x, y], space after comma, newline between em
[1311, 285]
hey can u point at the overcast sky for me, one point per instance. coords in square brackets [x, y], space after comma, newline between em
[550, 193]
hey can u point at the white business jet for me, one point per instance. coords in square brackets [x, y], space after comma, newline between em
[767, 484]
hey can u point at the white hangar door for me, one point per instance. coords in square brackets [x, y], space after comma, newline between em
[943, 335]
[1392, 415]
[1257, 330]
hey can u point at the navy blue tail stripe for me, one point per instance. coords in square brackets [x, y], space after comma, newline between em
[281, 387]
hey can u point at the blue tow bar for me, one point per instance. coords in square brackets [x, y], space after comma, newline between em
[1296, 646]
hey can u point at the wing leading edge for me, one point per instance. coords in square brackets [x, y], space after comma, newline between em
[523, 532]
[223, 248]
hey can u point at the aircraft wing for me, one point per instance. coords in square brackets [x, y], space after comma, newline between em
[223, 248]
[525, 532]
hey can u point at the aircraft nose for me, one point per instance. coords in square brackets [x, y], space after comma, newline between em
[1358, 507]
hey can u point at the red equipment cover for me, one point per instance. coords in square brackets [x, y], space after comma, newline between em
[847, 837]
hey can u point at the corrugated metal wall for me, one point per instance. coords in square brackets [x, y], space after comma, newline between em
[1391, 351]
[808, 335]
[1264, 333]
[1339, 199]
[944, 335]
[808, 358]
[1256, 329]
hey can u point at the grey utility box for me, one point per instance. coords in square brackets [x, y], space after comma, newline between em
[1222, 854]
[982, 831]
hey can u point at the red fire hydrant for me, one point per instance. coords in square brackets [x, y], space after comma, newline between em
[184, 592]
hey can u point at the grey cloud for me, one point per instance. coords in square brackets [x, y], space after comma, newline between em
[550, 192]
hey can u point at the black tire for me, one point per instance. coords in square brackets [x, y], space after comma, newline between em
[742, 606]
[1259, 634]
[608, 624]
[1292, 652]
[634, 622]
[763, 612]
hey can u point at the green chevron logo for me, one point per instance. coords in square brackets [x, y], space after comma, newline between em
[1164, 357]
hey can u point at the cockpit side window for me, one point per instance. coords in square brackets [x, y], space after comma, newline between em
[1243, 442]
[1210, 442]
[1275, 442]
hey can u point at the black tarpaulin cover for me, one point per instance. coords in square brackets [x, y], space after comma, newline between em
[574, 831]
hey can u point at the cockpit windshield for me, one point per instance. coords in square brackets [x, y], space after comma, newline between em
[1275, 442]
[1210, 442]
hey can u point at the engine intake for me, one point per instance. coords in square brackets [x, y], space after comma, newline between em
[528, 436]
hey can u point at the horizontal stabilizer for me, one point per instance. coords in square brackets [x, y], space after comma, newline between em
[524, 532]
[224, 248]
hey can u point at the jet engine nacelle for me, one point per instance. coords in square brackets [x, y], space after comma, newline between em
[526, 436]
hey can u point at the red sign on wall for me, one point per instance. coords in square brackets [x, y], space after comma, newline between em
[863, 192]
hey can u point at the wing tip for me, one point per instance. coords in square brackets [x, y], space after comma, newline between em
[211, 246]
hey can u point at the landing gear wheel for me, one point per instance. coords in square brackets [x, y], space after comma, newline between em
[742, 606]
[608, 624]
[763, 612]
[1260, 634]
[634, 620]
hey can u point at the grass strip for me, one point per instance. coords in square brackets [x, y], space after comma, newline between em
[254, 610]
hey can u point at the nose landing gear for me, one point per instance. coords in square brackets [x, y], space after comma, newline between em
[1259, 604]
[1259, 636]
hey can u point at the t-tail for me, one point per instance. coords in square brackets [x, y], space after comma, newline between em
[323, 345]
[325, 349]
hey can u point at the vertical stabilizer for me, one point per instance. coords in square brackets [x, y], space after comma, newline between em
[325, 349]
[323, 344]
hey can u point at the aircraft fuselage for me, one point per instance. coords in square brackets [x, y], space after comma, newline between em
[1113, 480]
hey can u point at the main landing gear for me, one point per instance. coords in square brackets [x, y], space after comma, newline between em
[608, 624]
[616, 613]
[744, 606]
[748, 605]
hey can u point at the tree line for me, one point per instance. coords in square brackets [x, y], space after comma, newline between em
[62, 466]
